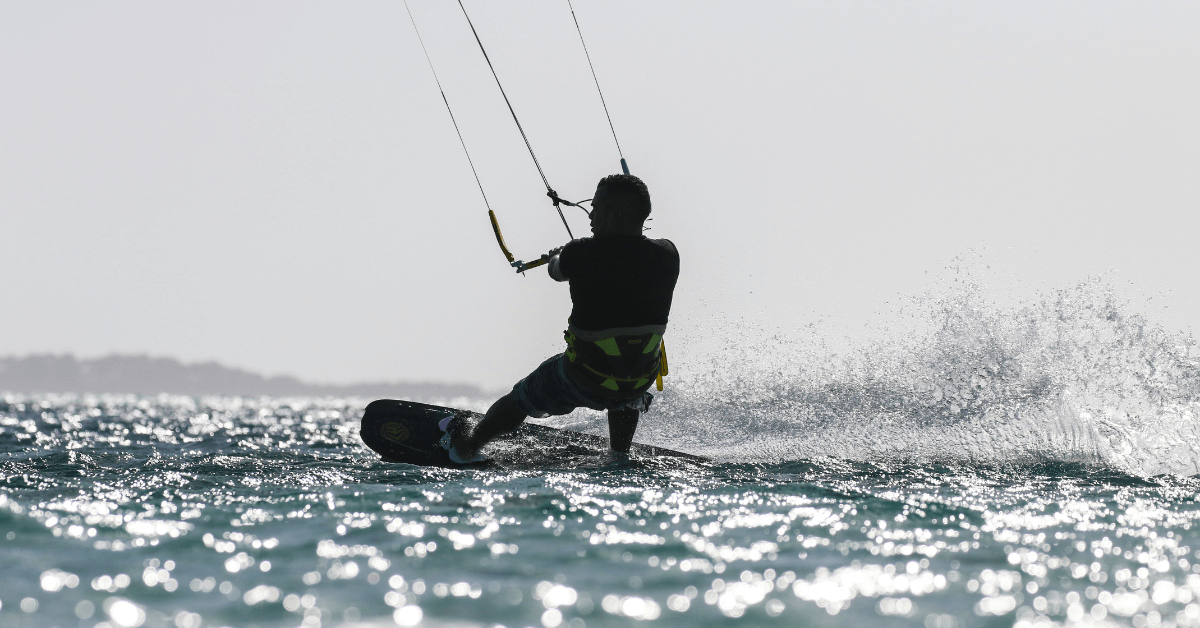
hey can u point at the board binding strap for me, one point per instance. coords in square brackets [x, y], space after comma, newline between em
[449, 428]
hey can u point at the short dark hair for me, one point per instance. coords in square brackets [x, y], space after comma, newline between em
[631, 195]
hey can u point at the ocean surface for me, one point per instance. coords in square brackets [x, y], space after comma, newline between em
[1035, 466]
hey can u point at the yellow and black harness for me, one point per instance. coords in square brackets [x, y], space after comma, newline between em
[619, 362]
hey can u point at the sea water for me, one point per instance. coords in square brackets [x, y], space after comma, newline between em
[1025, 467]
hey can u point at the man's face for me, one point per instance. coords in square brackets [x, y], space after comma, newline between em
[604, 216]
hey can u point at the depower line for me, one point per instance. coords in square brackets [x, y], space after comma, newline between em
[554, 197]
[624, 166]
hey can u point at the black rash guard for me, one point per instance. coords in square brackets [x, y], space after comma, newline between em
[619, 281]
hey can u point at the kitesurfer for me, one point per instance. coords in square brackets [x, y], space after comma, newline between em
[621, 287]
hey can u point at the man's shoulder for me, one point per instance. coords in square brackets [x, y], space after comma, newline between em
[664, 251]
[600, 246]
[666, 245]
[578, 244]
[576, 247]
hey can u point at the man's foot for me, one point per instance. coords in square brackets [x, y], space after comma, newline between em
[452, 442]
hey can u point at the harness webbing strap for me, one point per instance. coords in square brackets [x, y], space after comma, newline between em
[662, 363]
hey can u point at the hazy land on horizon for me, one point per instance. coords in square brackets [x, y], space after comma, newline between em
[145, 375]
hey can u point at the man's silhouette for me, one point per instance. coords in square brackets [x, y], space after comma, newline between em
[621, 287]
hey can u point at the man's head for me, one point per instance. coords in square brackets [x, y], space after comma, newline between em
[620, 206]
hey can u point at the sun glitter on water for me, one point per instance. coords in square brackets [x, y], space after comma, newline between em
[1012, 468]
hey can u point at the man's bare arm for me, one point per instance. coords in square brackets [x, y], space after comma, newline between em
[553, 268]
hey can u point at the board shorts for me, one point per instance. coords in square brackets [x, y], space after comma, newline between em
[551, 391]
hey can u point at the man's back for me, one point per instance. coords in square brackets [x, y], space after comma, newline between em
[619, 281]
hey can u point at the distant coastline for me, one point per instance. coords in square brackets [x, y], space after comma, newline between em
[144, 375]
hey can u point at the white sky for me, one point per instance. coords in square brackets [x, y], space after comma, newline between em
[277, 186]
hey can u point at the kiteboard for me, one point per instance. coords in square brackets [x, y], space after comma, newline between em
[409, 432]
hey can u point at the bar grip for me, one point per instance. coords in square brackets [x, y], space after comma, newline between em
[499, 237]
[523, 266]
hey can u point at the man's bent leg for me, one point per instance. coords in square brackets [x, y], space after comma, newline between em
[502, 418]
[622, 423]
